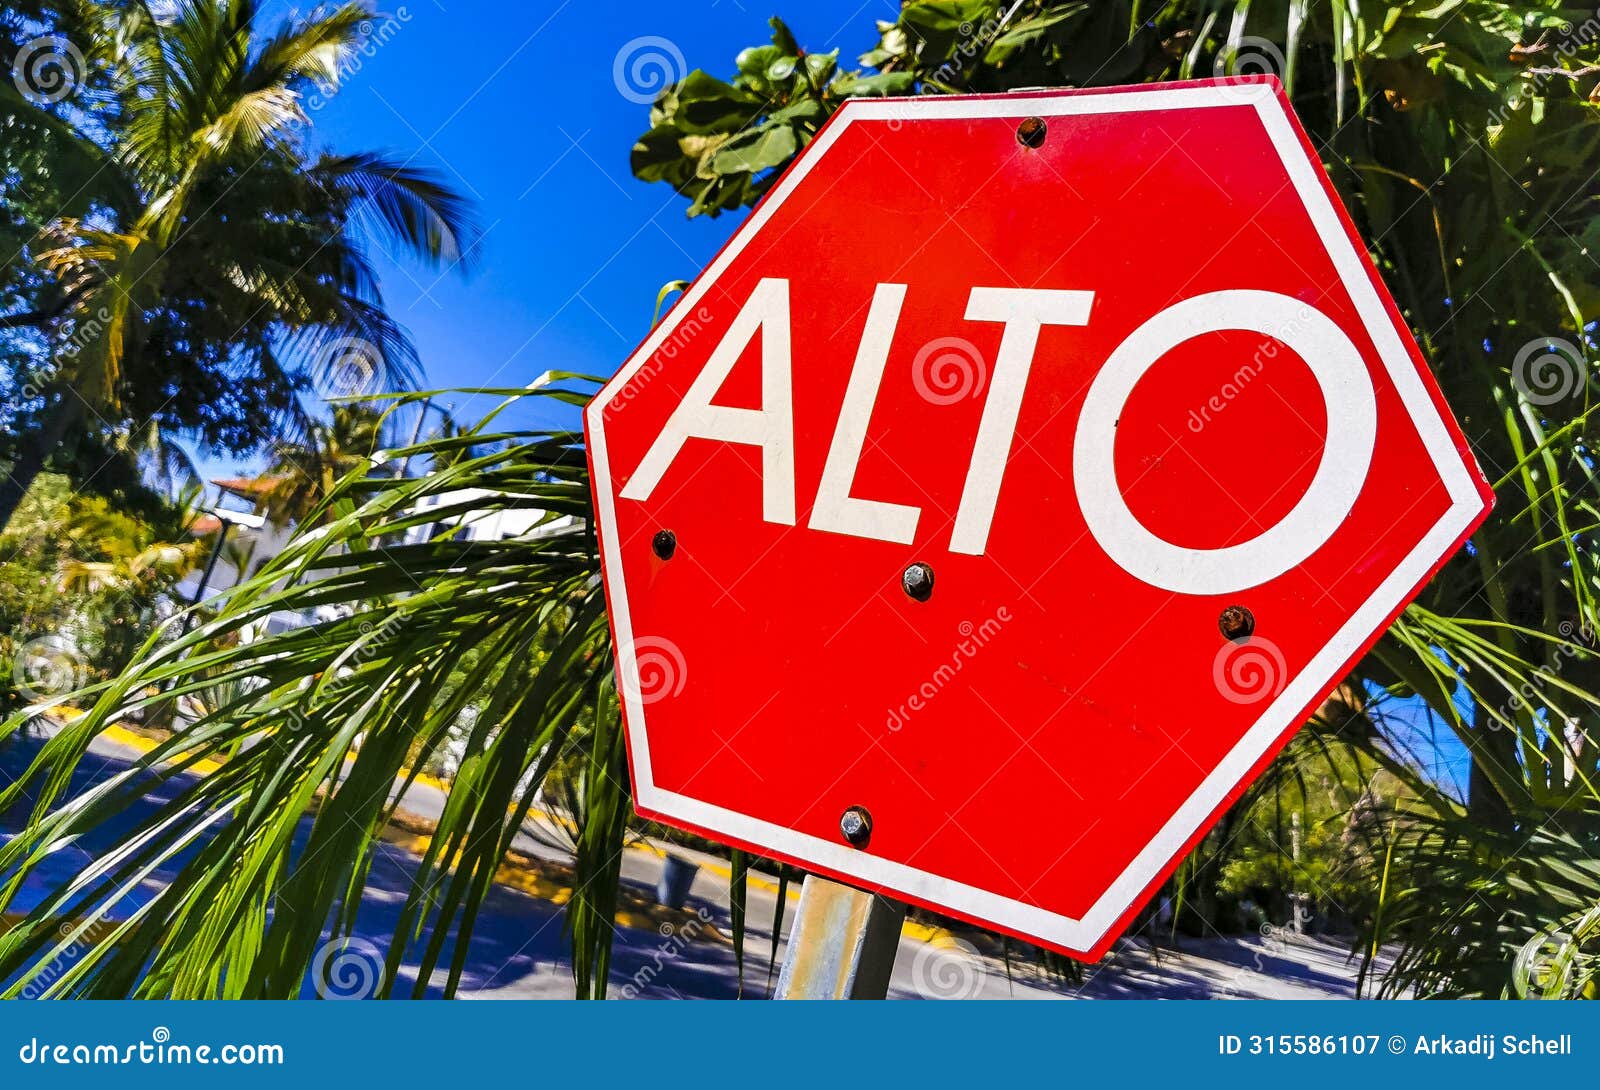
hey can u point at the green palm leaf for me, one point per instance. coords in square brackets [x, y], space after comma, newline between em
[325, 719]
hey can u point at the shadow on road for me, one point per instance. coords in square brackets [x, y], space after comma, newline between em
[518, 943]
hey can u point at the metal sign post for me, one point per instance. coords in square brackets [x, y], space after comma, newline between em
[843, 943]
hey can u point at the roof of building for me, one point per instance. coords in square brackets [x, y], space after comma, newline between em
[248, 487]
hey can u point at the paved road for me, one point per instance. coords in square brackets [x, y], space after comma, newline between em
[519, 947]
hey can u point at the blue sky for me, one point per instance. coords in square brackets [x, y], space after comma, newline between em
[517, 106]
[1420, 735]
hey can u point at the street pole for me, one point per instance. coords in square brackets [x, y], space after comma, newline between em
[205, 576]
[416, 433]
[842, 945]
[1296, 898]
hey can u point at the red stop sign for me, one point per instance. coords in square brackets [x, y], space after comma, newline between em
[1018, 478]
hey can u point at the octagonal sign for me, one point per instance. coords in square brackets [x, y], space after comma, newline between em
[1022, 473]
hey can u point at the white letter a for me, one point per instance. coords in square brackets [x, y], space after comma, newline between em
[770, 427]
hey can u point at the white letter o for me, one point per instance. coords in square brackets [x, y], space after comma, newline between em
[1346, 456]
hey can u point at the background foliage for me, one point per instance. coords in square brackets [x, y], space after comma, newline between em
[211, 265]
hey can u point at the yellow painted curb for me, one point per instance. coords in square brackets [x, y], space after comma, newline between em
[545, 888]
[928, 933]
[722, 870]
[125, 737]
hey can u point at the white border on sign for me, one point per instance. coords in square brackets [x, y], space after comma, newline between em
[1083, 933]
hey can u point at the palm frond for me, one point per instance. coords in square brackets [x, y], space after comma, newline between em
[309, 48]
[324, 720]
[421, 214]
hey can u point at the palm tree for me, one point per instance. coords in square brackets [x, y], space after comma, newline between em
[227, 263]
[163, 464]
[305, 471]
[1482, 898]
